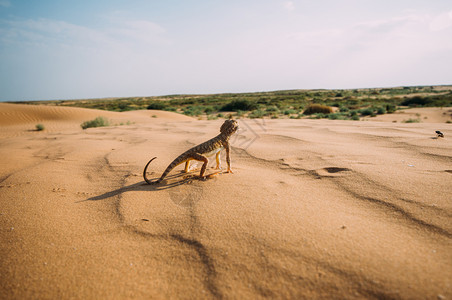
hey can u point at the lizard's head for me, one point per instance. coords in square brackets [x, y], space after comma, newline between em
[229, 127]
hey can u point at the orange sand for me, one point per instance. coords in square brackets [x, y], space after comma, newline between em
[315, 209]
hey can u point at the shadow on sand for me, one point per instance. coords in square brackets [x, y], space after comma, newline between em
[180, 179]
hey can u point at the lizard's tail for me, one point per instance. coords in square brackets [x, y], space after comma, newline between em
[144, 173]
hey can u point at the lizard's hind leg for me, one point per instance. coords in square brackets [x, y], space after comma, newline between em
[205, 161]
[187, 166]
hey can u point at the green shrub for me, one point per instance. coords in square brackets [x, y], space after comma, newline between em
[209, 109]
[416, 101]
[39, 127]
[367, 112]
[236, 105]
[390, 108]
[97, 122]
[317, 108]
[337, 116]
[272, 109]
[381, 111]
[290, 112]
[193, 110]
[159, 105]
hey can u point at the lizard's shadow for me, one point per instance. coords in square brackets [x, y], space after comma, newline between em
[168, 183]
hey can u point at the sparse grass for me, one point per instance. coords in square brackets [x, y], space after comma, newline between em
[411, 120]
[39, 127]
[97, 122]
[256, 114]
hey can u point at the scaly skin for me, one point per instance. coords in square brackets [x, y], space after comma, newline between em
[214, 145]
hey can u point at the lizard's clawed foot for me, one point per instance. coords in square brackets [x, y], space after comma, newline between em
[229, 171]
[213, 174]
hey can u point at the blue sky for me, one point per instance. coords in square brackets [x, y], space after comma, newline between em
[114, 48]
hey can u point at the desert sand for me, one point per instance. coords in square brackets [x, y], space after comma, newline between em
[314, 209]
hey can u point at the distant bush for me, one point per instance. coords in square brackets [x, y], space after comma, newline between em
[39, 127]
[437, 100]
[390, 108]
[412, 121]
[416, 101]
[337, 116]
[290, 112]
[367, 112]
[159, 105]
[236, 105]
[97, 122]
[193, 110]
[381, 110]
[209, 109]
[317, 109]
[272, 109]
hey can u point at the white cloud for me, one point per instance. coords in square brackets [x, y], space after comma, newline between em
[139, 31]
[41, 32]
[289, 5]
[441, 22]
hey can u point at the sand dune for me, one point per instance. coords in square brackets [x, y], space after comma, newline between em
[424, 115]
[18, 118]
[314, 209]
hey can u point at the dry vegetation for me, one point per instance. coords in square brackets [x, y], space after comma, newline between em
[333, 104]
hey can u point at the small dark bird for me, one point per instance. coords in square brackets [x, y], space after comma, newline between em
[439, 133]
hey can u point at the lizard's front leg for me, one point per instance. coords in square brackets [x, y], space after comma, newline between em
[218, 167]
[228, 158]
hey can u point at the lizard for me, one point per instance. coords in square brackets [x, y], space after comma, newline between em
[201, 152]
